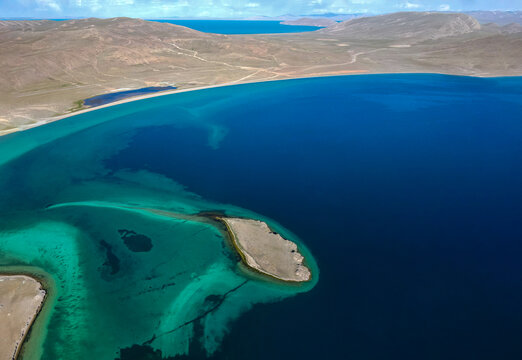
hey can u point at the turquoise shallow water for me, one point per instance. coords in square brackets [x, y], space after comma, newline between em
[65, 212]
[405, 188]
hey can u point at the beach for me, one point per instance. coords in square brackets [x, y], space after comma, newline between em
[48, 120]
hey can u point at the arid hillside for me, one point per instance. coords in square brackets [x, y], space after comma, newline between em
[407, 26]
[48, 68]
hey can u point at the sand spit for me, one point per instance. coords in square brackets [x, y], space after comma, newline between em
[260, 247]
[21, 298]
[266, 251]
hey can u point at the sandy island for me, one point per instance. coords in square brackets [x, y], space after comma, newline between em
[266, 251]
[21, 298]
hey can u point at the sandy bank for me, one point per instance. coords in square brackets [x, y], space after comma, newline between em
[266, 251]
[21, 298]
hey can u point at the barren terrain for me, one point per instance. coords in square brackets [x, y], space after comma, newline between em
[20, 300]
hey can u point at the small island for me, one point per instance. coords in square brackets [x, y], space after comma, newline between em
[21, 298]
[266, 251]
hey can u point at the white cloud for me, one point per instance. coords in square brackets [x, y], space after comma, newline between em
[252, 5]
[123, 2]
[444, 7]
[92, 5]
[409, 5]
[49, 4]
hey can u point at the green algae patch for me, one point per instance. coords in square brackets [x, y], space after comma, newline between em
[78, 105]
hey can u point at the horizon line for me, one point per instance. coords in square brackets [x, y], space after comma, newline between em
[251, 18]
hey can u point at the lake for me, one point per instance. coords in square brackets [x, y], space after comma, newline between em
[123, 94]
[402, 190]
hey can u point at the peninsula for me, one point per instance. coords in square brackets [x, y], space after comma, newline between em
[21, 298]
[266, 251]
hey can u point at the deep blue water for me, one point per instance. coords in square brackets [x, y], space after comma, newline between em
[406, 188]
[241, 26]
[120, 95]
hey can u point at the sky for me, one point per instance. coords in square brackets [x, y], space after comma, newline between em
[234, 8]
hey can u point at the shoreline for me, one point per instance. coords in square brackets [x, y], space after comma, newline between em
[44, 291]
[49, 120]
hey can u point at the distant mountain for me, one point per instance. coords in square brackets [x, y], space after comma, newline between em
[262, 17]
[291, 17]
[497, 17]
[336, 16]
[417, 26]
[311, 22]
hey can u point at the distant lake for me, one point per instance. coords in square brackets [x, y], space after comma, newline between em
[120, 95]
[404, 189]
[240, 26]
[229, 27]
